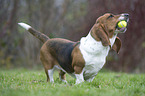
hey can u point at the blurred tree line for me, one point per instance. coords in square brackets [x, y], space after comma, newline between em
[70, 19]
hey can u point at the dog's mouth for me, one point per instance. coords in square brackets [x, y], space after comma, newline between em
[123, 17]
[120, 30]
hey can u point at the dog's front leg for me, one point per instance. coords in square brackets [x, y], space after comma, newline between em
[79, 77]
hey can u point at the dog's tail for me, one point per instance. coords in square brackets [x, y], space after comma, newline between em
[42, 37]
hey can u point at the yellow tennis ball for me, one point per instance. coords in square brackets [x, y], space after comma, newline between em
[122, 24]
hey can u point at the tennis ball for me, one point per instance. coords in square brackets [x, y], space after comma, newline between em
[122, 24]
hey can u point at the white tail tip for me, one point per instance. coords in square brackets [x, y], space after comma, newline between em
[24, 25]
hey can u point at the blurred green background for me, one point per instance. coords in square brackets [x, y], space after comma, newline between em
[70, 19]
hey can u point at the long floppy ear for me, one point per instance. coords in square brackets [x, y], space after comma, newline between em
[100, 33]
[117, 45]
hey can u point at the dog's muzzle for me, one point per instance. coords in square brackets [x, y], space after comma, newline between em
[123, 17]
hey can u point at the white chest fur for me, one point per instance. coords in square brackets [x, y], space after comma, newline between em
[94, 54]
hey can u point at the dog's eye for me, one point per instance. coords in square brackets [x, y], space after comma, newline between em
[110, 16]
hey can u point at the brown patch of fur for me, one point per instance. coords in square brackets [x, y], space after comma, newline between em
[100, 35]
[78, 61]
[42, 37]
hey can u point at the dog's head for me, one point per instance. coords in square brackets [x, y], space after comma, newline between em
[106, 27]
[109, 23]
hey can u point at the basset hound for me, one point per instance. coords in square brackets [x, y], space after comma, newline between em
[82, 60]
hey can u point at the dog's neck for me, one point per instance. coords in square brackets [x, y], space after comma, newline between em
[90, 45]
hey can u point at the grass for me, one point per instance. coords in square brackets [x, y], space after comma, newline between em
[22, 82]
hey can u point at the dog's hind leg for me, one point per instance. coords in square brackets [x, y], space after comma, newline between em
[50, 74]
[48, 70]
[62, 76]
[48, 63]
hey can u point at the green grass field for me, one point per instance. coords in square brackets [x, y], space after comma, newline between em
[22, 82]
